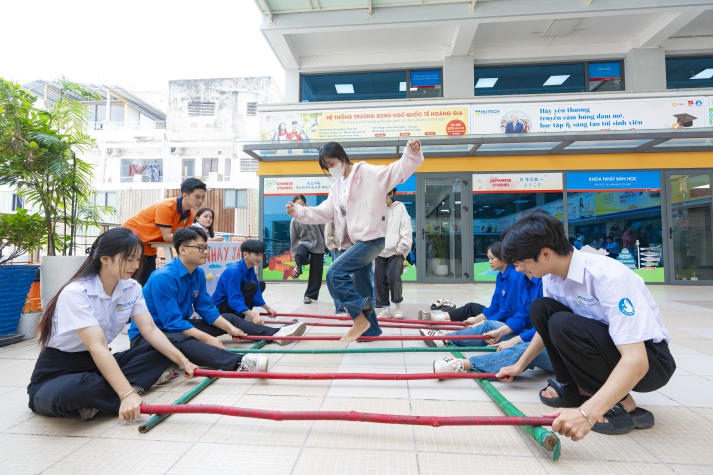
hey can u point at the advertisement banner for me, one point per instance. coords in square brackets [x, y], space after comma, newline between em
[516, 182]
[363, 123]
[304, 185]
[220, 256]
[614, 181]
[625, 114]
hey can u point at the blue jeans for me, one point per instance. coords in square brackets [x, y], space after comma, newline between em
[349, 280]
[486, 326]
[492, 362]
[338, 306]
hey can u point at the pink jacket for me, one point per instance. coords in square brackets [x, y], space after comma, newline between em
[366, 204]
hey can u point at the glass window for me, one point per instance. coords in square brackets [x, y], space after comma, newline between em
[210, 165]
[618, 213]
[371, 85]
[529, 79]
[498, 201]
[683, 73]
[605, 77]
[188, 167]
[235, 199]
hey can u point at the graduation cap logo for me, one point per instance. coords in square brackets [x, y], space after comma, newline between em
[684, 120]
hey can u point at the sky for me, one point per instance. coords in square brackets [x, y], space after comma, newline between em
[136, 44]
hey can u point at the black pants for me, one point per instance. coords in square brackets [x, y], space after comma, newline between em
[387, 278]
[582, 351]
[248, 290]
[62, 383]
[248, 327]
[468, 310]
[201, 354]
[316, 265]
[147, 267]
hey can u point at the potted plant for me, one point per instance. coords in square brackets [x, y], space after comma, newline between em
[20, 233]
[39, 158]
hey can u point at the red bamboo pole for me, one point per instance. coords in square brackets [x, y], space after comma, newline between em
[329, 376]
[367, 338]
[389, 320]
[435, 421]
[382, 325]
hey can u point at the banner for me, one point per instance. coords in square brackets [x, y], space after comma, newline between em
[625, 114]
[303, 185]
[516, 182]
[221, 255]
[363, 123]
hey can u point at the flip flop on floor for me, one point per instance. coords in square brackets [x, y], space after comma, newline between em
[567, 395]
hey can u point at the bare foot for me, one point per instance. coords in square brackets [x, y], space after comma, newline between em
[360, 325]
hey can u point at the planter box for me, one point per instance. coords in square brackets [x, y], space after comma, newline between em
[15, 282]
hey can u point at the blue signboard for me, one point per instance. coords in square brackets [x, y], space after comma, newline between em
[428, 78]
[622, 180]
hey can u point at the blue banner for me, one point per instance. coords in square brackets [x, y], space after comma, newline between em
[622, 180]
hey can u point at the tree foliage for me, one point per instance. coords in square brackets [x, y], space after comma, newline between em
[39, 149]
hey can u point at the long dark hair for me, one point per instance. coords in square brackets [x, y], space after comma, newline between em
[114, 242]
[211, 233]
[332, 150]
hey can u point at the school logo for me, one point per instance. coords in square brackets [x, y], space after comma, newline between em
[119, 307]
[626, 307]
[581, 300]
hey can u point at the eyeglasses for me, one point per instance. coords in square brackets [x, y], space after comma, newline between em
[200, 248]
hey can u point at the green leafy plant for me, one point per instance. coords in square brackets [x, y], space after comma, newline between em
[20, 232]
[38, 158]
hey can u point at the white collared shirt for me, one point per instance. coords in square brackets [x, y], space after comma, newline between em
[84, 303]
[604, 289]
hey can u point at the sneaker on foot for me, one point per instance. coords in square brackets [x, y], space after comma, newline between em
[432, 343]
[397, 312]
[253, 362]
[296, 329]
[448, 364]
[307, 300]
[385, 313]
[424, 315]
[168, 374]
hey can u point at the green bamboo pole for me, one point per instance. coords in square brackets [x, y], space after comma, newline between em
[542, 436]
[367, 350]
[158, 418]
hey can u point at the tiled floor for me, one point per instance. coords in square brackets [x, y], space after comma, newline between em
[200, 443]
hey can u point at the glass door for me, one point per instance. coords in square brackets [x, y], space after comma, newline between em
[444, 234]
[690, 227]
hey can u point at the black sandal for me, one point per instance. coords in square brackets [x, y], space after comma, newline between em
[567, 395]
[618, 422]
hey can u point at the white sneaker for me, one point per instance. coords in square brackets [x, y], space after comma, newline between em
[432, 343]
[296, 329]
[448, 364]
[397, 312]
[424, 315]
[385, 313]
[253, 362]
[168, 374]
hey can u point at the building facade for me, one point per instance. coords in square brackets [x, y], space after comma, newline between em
[601, 114]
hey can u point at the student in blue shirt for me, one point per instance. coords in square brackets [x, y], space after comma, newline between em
[502, 304]
[174, 291]
[239, 290]
[509, 347]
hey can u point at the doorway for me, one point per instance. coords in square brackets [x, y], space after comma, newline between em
[444, 235]
[689, 217]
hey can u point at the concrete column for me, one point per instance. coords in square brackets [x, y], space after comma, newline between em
[292, 85]
[458, 77]
[645, 70]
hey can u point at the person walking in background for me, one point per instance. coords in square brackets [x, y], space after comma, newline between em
[307, 246]
[76, 374]
[389, 264]
[357, 207]
[158, 222]
[336, 248]
[204, 220]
